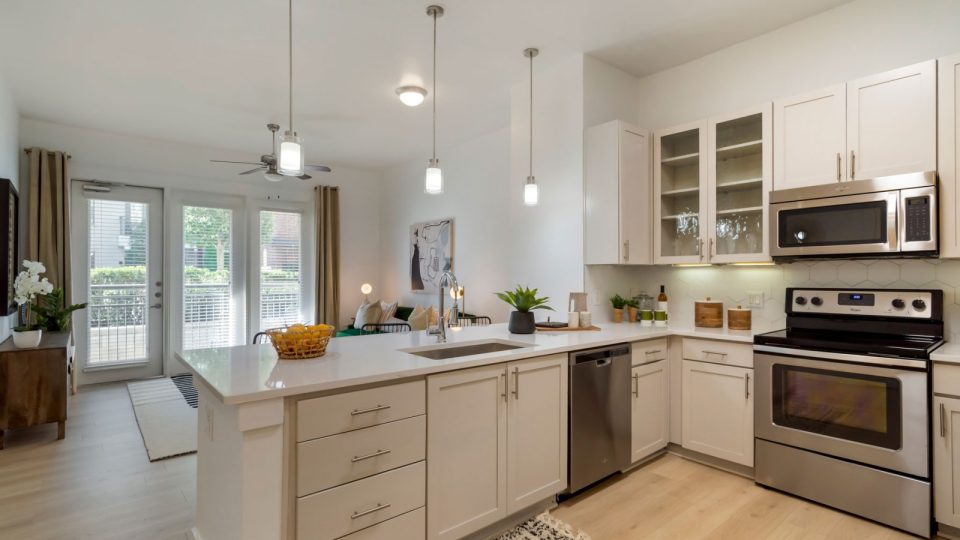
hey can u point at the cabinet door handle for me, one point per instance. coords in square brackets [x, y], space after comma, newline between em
[636, 384]
[839, 167]
[653, 351]
[376, 508]
[626, 250]
[710, 248]
[853, 164]
[700, 249]
[746, 385]
[943, 422]
[516, 383]
[503, 377]
[356, 412]
[720, 354]
[378, 453]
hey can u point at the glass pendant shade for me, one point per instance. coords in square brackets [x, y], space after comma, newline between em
[291, 155]
[531, 192]
[433, 183]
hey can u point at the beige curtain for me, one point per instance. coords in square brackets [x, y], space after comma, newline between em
[328, 254]
[48, 215]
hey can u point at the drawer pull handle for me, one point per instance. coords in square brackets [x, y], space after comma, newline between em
[355, 412]
[636, 384]
[722, 354]
[653, 351]
[376, 508]
[378, 453]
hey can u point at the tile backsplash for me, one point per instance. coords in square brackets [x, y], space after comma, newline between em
[731, 284]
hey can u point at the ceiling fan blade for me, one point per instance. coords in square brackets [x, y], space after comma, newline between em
[304, 177]
[237, 162]
[323, 168]
[251, 171]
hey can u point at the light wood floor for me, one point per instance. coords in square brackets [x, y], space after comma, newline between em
[676, 498]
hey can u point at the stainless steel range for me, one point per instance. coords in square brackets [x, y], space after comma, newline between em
[842, 409]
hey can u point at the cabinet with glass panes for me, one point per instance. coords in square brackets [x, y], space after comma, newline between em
[680, 200]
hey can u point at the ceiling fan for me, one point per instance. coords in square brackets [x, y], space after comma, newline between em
[268, 162]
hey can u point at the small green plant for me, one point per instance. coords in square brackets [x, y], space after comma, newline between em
[618, 301]
[632, 302]
[524, 299]
[52, 313]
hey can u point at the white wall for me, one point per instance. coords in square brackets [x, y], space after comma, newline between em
[608, 93]
[850, 41]
[9, 164]
[181, 168]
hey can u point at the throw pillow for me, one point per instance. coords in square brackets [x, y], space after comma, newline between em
[388, 311]
[419, 318]
[367, 314]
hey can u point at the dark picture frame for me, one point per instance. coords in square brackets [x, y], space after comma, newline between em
[9, 243]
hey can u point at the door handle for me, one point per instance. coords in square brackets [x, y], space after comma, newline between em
[700, 249]
[516, 383]
[746, 385]
[839, 167]
[158, 305]
[626, 250]
[710, 248]
[853, 164]
[503, 377]
[636, 384]
[943, 423]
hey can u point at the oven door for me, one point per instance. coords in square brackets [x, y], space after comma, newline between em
[849, 225]
[869, 413]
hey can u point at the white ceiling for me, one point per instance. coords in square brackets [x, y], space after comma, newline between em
[213, 72]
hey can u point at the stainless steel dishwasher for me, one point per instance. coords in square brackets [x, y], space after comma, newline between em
[599, 437]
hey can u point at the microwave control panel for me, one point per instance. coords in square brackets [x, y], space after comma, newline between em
[917, 217]
[913, 304]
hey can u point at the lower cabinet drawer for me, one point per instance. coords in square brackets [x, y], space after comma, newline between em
[409, 526]
[648, 351]
[718, 352]
[338, 459]
[348, 508]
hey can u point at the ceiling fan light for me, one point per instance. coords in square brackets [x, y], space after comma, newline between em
[433, 182]
[291, 155]
[273, 177]
[411, 96]
[531, 192]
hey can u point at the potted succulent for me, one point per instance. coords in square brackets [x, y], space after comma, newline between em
[618, 303]
[524, 300]
[27, 286]
[633, 306]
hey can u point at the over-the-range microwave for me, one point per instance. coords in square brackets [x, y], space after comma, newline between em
[892, 216]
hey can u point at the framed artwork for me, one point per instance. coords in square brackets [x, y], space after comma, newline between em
[431, 253]
[9, 218]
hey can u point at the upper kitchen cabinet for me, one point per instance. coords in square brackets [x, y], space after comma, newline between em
[892, 122]
[810, 138]
[949, 153]
[739, 172]
[680, 194]
[617, 195]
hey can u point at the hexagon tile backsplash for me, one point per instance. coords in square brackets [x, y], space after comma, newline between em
[732, 283]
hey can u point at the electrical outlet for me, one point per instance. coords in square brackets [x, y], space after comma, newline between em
[755, 299]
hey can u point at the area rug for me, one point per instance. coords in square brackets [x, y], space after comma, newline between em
[168, 424]
[543, 527]
[184, 383]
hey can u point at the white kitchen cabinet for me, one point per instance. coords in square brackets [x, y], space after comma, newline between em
[536, 430]
[946, 460]
[892, 122]
[496, 442]
[617, 192]
[809, 140]
[680, 194]
[948, 154]
[466, 450]
[718, 411]
[650, 409]
[739, 175]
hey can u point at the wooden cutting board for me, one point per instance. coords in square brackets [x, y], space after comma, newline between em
[568, 329]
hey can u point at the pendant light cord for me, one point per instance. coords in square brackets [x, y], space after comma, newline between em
[290, 48]
[531, 115]
[434, 85]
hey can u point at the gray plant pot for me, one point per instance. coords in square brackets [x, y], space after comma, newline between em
[522, 323]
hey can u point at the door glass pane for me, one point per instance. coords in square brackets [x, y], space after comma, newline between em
[739, 189]
[209, 317]
[855, 407]
[843, 224]
[117, 322]
[680, 194]
[280, 283]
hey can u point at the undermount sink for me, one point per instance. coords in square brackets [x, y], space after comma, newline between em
[444, 352]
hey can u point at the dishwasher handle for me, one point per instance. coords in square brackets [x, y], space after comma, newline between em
[602, 357]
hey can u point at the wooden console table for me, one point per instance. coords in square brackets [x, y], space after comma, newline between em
[33, 384]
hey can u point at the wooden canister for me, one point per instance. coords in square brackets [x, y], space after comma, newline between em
[739, 318]
[708, 313]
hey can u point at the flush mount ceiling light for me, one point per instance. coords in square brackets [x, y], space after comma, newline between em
[411, 96]
[291, 149]
[531, 192]
[433, 180]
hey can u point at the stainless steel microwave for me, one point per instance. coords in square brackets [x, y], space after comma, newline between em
[883, 217]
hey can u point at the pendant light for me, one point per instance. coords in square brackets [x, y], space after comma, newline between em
[291, 149]
[531, 192]
[433, 181]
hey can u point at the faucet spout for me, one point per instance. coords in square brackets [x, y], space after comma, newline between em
[447, 279]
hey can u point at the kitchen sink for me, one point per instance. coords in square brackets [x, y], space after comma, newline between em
[444, 352]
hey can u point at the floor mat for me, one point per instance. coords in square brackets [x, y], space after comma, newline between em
[168, 424]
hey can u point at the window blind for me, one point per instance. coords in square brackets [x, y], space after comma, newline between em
[280, 269]
[209, 319]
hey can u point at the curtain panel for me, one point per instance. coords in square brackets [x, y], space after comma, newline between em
[48, 215]
[327, 200]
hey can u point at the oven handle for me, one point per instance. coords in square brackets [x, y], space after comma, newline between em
[857, 358]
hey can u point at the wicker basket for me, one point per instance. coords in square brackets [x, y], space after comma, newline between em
[298, 341]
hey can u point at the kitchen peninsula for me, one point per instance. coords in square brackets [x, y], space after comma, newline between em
[373, 439]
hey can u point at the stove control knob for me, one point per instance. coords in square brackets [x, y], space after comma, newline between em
[898, 303]
[817, 301]
[800, 300]
[919, 305]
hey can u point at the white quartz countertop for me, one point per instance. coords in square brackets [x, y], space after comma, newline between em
[252, 372]
[949, 353]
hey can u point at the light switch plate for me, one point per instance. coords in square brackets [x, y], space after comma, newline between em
[755, 299]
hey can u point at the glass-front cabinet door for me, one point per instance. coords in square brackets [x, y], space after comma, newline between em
[739, 168]
[680, 196]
